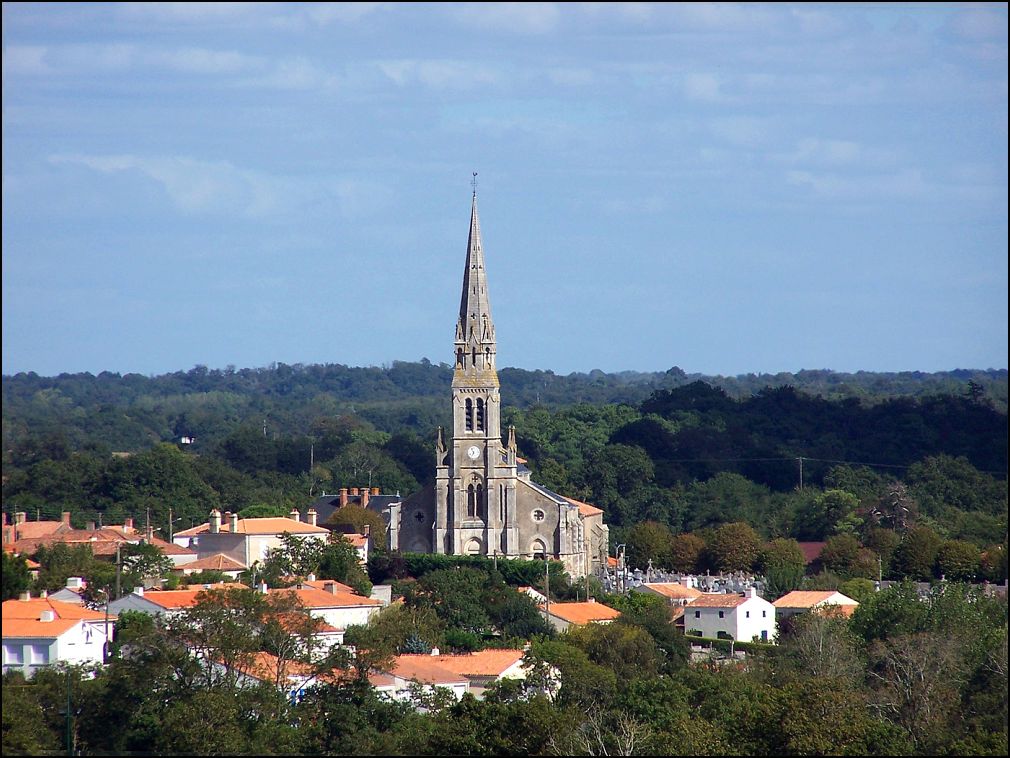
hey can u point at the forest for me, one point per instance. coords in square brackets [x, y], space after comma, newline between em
[900, 477]
[817, 457]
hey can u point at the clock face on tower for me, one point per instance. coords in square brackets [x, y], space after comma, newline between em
[473, 452]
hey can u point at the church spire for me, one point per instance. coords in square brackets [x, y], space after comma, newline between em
[475, 338]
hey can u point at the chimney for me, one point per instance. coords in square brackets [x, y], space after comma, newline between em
[310, 578]
[366, 529]
[295, 515]
[20, 517]
[226, 520]
[354, 491]
[139, 590]
[149, 535]
[750, 592]
[128, 524]
[343, 496]
[44, 594]
[66, 518]
[376, 490]
[75, 582]
[312, 516]
[91, 526]
[215, 521]
[263, 588]
[25, 597]
[364, 497]
[48, 615]
[233, 523]
[434, 651]
[330, 587]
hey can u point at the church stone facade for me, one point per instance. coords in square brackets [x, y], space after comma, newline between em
[483, 501]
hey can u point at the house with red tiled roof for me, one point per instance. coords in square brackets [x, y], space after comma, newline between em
[219, 562]
[563, 615]
[822, 601]
[247, 540]
[168, 602]
[41, 632]
[424, 672]
[333, 603]
[731, 616]
[674, 593]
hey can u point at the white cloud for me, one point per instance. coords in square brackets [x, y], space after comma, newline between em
[219, 187]
[903, 184]
[522, 18]
[438, 74]
[703, 86]
[742, 131]
[25, 59]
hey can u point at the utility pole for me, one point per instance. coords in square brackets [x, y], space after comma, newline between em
[118, 571]
[547, 581]
[170, 534]
[801, 473]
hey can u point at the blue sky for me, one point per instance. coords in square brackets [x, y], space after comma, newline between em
[725, 188]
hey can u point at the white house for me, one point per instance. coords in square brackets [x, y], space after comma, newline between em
[738, 616]
[563, 615]
[41, 632]
[802, 601]
[334, 603]
[168, 602]
[245, 540]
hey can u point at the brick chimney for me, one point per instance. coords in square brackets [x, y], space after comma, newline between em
[330, 587]
[128, 524]
[66, 518]
[376, 490]
[343, 496]
[364, 497]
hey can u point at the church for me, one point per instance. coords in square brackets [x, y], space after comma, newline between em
[483, 500]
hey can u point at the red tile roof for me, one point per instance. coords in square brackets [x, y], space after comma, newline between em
[673, 590]
[218, 562]
[258, 526]
[311, 597]
[714, 600]
[582, 613]
[32, 609]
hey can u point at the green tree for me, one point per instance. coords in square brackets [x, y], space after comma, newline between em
[915, 557]
[648, 541]
[686, 552]
[784, 565]
[958, 561]
[735, 547]
[16, 578]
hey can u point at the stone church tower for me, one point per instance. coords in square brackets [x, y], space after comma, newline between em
[482, 500]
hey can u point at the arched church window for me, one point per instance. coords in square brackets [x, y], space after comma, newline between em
[473, 357]
[471, 501]
[480, 414]
[469, 415]
[473, 547]
[459, 357]
[539, 550]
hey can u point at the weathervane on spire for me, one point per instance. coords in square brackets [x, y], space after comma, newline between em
[473, 183]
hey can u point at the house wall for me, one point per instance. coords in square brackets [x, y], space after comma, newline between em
[735, 621]
[83, 643]
[341, 618]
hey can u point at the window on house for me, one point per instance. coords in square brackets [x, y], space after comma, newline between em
[746, 614]
[697, 614]
[764, 614]
[722, 614]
